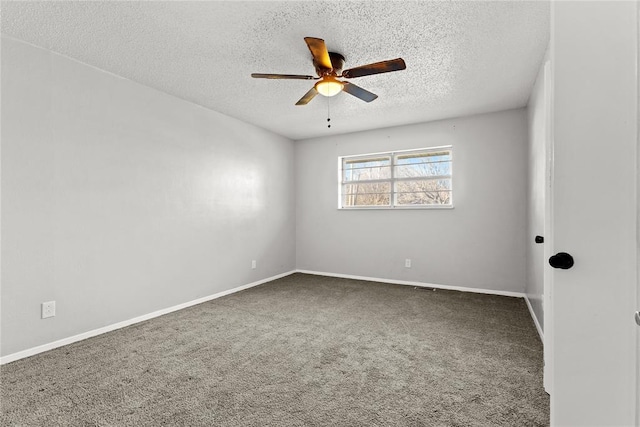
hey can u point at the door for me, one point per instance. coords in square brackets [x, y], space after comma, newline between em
[594, 212]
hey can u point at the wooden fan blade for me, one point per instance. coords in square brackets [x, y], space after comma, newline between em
[307, 96]
[358, 92]
[375, 68]
[319, 51]
[281, 76]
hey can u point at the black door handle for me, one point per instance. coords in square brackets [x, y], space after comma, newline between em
[561, 260]
[539, 239]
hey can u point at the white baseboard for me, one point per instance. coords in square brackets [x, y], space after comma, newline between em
[535, 318]
[59, 343]
[419, 284]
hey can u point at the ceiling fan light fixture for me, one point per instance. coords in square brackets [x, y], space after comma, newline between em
[329, 86]
[329, 66]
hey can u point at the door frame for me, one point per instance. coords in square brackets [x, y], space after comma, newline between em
[547, 299]
[638, 221]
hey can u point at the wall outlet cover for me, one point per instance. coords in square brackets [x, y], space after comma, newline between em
[48, 309]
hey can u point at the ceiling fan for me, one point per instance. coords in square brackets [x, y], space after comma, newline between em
[329, 68]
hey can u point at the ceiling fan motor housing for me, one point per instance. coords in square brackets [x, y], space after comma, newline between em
[337, 62]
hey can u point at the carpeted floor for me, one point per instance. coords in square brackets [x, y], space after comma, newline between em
[300, 351]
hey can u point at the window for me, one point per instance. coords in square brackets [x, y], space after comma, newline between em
[401, 179]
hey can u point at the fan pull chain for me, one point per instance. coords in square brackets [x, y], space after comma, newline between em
[328, 112]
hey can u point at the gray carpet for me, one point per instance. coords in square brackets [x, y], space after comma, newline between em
[299, 351]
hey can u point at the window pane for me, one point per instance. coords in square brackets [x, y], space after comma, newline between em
[369, 194]
[424, 198]
[366, 169]
[367, 188]
[367, 162]
[416, 165]
[411, 158]
[423, 170]
[423, 192]
[369, 200]
[423, 185]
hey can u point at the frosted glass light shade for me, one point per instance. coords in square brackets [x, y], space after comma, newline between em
[329, 86]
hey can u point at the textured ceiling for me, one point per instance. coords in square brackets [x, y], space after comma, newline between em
[462, 57]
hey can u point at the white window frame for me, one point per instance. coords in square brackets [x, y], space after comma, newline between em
[392, 179]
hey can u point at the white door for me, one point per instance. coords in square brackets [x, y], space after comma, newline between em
[594, 129]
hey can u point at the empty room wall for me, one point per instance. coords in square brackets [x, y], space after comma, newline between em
[478, 244]
[119, 200]
[537, 116]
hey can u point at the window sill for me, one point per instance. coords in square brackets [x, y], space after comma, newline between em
[391, 208]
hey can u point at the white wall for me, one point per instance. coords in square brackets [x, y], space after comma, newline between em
[478, 244]
[118, 200]
[536, 149]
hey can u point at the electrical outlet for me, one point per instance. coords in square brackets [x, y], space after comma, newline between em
[407, 263]
[253, 263]
[48, 309]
